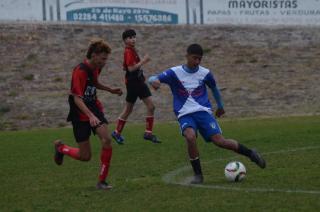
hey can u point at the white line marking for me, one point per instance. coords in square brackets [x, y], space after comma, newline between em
[170, 177]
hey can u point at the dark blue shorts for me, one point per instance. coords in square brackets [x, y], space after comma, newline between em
[202, 121]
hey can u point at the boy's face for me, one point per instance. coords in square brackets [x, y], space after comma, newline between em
[193, 60]
[99, 60]
[131, 41]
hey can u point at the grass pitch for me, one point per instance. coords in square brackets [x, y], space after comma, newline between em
[150, 177]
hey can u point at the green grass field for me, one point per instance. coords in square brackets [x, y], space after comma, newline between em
[149, 177]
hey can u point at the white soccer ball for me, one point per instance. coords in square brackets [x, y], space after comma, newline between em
[235, 171]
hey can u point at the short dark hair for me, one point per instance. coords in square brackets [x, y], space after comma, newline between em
[128, 33]
[98, 46]
[195, 49]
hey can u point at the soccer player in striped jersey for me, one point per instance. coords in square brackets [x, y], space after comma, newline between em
[188, 84]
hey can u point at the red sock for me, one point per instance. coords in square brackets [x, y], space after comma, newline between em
[120, 125]
[149, 124]
[105, 158]
[71, 151]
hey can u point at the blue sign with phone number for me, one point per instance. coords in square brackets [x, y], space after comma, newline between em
[122, 15]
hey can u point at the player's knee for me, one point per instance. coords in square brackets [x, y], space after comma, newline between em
[106, 142]
[85, 157]
[153, 108]
[128, 111]
[190, 137]
[218, 140]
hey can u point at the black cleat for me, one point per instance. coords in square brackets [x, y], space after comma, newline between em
[151, 137]
[103, 186]
[197, 179]
[58, 156]
[257, 158]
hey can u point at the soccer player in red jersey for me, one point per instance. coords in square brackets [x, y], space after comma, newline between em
[87, 113]
[136, 87]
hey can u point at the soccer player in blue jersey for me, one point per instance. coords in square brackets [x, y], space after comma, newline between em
[194, 111]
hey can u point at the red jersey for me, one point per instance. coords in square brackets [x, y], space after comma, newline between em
[130, 57]
[79, 85]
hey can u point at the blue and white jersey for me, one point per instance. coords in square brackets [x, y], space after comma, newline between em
[189, 89]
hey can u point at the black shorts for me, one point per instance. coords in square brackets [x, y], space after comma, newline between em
[135, 90]
[82, 130]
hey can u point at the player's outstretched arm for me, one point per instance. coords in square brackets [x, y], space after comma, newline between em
[154, 82]
[138, 66]
[217, 96]
[100, 86]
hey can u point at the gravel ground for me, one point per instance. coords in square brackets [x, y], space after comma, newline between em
[261, 71]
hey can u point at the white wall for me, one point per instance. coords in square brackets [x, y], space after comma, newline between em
[20, 9]
[271, 12]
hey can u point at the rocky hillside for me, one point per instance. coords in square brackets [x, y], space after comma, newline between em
[261, 71]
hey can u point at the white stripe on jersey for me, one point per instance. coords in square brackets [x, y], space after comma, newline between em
[190, 82]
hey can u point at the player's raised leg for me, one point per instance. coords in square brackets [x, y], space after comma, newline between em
[83, 153]
[231, 144]
[82, 132]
